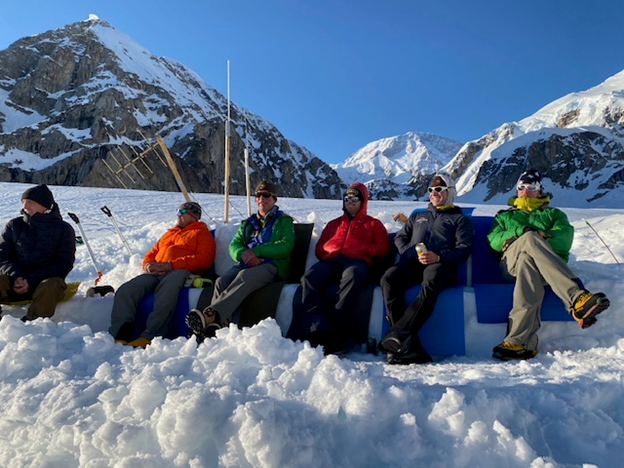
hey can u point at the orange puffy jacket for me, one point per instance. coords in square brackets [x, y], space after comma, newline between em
[191, 248]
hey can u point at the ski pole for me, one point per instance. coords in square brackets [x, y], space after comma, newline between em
[601, 240]
[84, 238]
[108, 213]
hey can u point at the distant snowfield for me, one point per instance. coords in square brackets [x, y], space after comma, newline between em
[69, 396]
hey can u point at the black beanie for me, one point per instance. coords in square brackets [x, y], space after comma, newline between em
[269, 187]
[40, 194]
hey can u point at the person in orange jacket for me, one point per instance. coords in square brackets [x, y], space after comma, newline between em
[184, 249]
[345, 251]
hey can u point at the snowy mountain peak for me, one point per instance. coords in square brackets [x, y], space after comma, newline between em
[69, 98]
[576, 142]
[397, 160]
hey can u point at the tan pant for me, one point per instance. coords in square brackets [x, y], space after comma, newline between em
[43, 299]
[533, 263]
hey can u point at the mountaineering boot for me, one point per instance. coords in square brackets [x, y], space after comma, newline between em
[587, 306]
[125, 333]
[507, 351]
[203, 324]
[396, 354]
[140, 342]
[411, 357]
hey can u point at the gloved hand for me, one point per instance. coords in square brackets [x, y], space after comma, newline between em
[508, 242]
[533, 229]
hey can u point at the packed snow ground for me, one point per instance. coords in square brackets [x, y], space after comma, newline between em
[69, 396]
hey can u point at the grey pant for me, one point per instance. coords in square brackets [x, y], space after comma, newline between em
[165, 288]
[533, 263]
[236, 284]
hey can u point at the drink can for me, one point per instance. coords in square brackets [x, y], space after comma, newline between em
[421, 247]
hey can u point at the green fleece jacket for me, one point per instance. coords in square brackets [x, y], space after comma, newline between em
[277, 250]
[513, 222]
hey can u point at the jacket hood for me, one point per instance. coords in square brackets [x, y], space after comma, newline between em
[364, 191]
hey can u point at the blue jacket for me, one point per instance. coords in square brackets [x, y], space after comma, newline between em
[445, 231]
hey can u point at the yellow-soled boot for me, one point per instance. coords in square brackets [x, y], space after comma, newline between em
[140, 342]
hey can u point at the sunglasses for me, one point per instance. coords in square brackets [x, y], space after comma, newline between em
[264, 194]
[438, 189]
[529, 187]
[352, 199]
[182, 211]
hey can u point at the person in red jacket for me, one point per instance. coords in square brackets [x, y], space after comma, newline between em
[345, 251]
[184, 249]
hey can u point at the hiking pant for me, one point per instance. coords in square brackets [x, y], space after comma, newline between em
[165, 289]
[236, 284]
[43, 299]
[531, 263]
[406, 321]
[336, 314]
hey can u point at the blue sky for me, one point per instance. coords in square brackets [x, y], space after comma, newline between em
[334, 75]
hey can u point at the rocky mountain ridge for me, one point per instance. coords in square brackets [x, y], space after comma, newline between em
[76, 100]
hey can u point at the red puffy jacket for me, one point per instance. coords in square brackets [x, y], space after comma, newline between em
[363, 237]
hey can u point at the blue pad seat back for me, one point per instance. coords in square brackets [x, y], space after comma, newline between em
[494, 297]
[485, 261]
[494, 302]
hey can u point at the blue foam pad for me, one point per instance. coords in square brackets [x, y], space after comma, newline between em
[485, 261]
[443, 333]
[187, 299]
[494, 301]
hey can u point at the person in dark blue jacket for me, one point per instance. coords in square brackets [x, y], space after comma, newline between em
[37, 252]
[444, 237]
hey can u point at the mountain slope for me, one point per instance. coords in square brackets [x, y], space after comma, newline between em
[398, 167]
[71, 97]
[575, 141]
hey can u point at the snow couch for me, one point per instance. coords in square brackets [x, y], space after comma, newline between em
[480, 290]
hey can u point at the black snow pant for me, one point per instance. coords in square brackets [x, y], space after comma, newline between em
[333, 313]
[406, 321]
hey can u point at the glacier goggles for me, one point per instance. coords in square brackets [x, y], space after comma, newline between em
[438, 189]
[529, 187]
[264, 194]
[351, 198]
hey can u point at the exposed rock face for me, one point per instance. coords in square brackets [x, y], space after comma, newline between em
[576, 142]
[72, 97]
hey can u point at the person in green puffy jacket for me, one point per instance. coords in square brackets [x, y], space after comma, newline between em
[262, 246]
[535, 240]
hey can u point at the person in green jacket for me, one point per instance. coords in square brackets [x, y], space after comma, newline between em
[262, 246]
[535, 241]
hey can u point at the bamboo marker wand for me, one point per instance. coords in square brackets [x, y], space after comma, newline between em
[601, 240]
[226, 183]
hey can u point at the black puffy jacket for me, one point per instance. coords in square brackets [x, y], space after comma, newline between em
[38, 247]
[446, 231]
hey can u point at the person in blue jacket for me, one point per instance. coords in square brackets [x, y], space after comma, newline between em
[443, 236]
